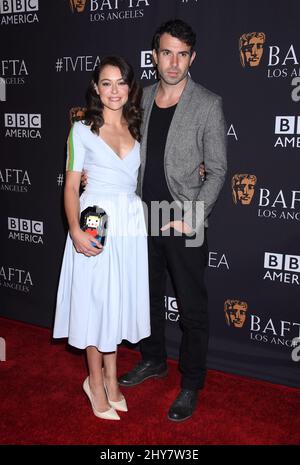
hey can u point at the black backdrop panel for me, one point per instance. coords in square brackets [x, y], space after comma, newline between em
[48, 52]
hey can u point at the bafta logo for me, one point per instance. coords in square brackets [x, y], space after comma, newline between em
[251, 47]
[77, 5]
[235, 312]
[243, 187]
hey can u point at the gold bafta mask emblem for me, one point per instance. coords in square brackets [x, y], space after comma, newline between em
[243, 187]
[235, 312]
[77, 5]
[251, 47]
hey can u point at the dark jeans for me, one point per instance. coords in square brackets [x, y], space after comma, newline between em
[186, 266]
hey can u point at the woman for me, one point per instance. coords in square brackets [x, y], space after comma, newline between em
[103, 294]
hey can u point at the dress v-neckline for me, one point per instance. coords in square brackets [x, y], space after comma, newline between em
[115, 153]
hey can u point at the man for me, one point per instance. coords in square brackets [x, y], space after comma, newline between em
[183, 126]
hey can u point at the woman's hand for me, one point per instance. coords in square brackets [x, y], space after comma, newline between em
[83, 243]
[180, 226]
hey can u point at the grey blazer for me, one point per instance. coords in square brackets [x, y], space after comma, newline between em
[197, 134]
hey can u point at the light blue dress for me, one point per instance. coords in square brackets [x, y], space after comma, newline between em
[104, 299]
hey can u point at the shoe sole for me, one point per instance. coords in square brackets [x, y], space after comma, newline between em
[161, 375]
[179, 421]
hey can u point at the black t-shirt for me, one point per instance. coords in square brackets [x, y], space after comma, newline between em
[155, 186]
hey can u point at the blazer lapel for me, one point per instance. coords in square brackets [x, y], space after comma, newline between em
[176, 121]
[179, 114]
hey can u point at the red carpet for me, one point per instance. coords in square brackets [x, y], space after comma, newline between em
[42, 402]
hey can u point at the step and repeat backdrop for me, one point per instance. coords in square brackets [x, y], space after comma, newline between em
[248, 55]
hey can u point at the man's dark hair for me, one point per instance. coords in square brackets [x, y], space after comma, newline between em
[176, 28]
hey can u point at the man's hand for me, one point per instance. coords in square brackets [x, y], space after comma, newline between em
[180, 226]
[83, 179]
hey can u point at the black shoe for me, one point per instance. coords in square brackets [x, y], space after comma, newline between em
[183, 406]
[143, 370]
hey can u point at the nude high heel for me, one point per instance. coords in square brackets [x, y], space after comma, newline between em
[110, 414]
[120, 405]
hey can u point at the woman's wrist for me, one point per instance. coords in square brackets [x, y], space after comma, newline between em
[74, 230]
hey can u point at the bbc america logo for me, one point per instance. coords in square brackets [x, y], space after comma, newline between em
[23, 125]
[22, 120]
[18, 6]
[25, 230]
[282, 267]
[147, 65]
[146, 59]
[288, 128]
[171, 309]
[19, 11]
